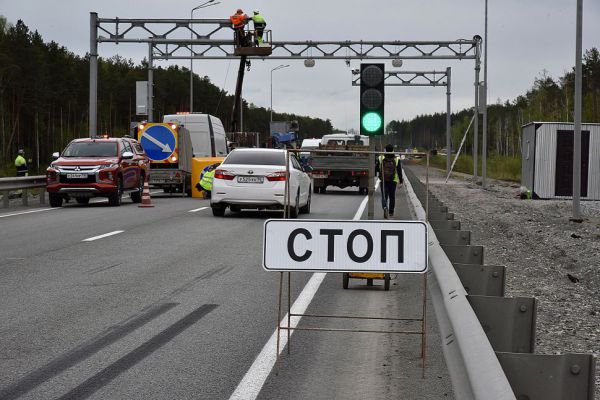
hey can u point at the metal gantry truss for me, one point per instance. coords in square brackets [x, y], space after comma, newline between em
[212, 39]
[412, 78]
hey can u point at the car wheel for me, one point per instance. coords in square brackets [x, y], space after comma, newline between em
[218, 210]
[55, 200]
[294, 211]
[316, 189]
[82, 200]
[114, 199]
[136, 197]
[306, 209]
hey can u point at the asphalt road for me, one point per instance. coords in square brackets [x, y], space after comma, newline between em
[174, 304]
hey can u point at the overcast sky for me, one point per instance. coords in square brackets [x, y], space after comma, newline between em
[526, 37]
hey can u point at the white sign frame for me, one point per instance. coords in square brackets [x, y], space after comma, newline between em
[353, 238]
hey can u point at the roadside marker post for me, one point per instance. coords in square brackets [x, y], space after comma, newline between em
[385, 246]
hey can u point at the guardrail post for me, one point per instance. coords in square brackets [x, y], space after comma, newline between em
[25, 197]
[42, 195]
[5, 199]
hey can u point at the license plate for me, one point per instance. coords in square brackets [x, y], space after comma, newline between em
[77, 176]
[250, 179]
[319, 176]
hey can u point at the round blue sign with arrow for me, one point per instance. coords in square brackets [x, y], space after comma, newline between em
[159, 142]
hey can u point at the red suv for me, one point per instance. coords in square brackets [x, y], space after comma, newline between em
[97, 167]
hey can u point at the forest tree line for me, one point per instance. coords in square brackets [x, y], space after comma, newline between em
[44, 97]
[547, 100]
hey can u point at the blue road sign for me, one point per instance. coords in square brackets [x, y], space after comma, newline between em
[159, 142]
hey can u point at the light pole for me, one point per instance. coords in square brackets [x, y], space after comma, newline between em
[274, 69]
[203, 5]
[577, 117]
[485, 93]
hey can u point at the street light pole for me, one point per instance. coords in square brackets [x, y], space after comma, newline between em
[577, 116]
[203, 5]
[485, 93]
[274, 69]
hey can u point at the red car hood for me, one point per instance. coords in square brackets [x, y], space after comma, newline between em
[85, 161]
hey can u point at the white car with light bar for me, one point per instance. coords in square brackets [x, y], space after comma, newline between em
[255, 179]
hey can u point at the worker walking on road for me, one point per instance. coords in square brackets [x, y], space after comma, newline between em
[239, 20]
[389, 170]
[259, 27]
[206, 179]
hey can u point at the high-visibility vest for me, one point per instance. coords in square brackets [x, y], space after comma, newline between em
[397, 159]
[238, 20]
[21, 163]
[207, 180]
[259, 21]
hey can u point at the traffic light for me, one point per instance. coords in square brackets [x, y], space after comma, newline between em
[372, 99]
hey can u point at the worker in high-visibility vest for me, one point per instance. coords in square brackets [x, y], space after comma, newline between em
[259, 27]
[389, 169]
[21, 163]
[239, 20]
[206, 179]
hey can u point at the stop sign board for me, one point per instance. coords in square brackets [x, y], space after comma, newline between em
[345, 246]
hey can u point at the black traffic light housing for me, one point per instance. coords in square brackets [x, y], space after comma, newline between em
[372, 99]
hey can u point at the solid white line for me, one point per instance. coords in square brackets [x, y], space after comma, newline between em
[28, 212]
[199, 209]
[102, 236]
[252, 383]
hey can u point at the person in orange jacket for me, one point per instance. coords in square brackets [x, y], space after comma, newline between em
[239, 21]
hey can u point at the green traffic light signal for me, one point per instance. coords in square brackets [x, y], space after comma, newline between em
[371, 122]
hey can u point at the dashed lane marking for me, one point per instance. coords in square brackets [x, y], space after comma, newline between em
[102, 236]
[199, 209]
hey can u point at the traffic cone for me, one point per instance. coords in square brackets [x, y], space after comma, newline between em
[146, 202]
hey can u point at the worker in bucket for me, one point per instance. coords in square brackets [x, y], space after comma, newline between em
[206, 179]
[259, 27]
[239, 20]
[389, 170]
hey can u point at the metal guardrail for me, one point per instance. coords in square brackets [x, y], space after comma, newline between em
[474, 368]
[22, 183]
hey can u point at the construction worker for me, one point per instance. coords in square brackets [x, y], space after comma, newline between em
[21, 163]
[206, 179]
[389, 169]
[239, 20]
[259, 27]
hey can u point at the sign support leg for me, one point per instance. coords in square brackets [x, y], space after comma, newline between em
[279, 313]
[424, 327]
[289, 311]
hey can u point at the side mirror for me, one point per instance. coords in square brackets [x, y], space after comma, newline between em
[55, 155]
[127, 155]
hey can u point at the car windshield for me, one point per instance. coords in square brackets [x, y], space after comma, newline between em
[91, 149]
[256, 158]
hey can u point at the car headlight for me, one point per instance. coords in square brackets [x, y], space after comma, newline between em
[109, 166]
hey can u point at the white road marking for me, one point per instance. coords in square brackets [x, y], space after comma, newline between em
[28, 212]
[199, 209]
[252, 383]
[102, 236]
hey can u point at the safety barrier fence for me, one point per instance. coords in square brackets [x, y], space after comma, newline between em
[488, 339]
[22, 183]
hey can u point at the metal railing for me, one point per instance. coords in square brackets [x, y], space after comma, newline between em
[22, 183]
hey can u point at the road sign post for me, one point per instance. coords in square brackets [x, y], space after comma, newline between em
[346, 246]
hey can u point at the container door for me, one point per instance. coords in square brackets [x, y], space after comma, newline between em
[564, 163]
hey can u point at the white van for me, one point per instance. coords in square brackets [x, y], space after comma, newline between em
[206, 131]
